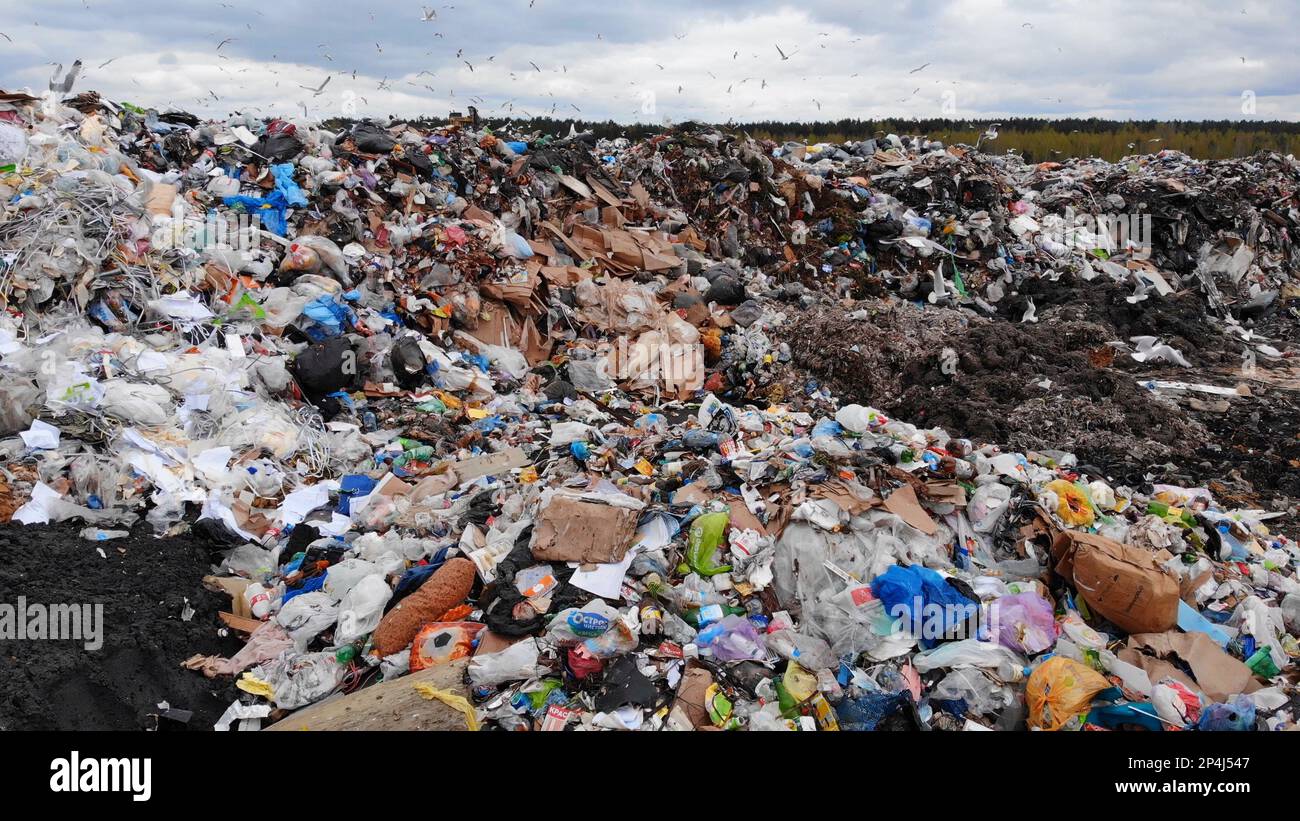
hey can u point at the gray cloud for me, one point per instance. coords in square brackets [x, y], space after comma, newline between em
[673, 59]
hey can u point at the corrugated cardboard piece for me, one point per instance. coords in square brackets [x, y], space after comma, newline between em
[575, 529]
[1125, 584]
[1218, 675]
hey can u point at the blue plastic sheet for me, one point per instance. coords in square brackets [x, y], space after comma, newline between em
[284, 184]
[328, 314]
[269, 210]
[309, 585]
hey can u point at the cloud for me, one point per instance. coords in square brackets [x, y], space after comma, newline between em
[673, 59]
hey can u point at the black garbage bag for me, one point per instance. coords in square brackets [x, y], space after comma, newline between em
[500, 599]
[372, 139]
[408, 362]
[325, 367]
[278, 148]
[625, 684]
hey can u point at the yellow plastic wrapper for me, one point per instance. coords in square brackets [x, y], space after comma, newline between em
[1072, 505]
[452, 700]
[799, 683]
[251, 684]
[1059, 690]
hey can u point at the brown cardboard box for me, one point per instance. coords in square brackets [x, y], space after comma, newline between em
[1125, 584]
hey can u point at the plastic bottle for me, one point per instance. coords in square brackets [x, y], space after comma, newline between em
[96, 534]
[258, 599]
[698, 617]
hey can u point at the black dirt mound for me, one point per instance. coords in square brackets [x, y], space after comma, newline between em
[143, 584]
[1062, 383]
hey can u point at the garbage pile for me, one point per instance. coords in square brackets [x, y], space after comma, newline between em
[471, 421]
[946, 223]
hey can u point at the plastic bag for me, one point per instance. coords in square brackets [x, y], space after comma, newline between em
[921, 597]
[1059, 690]
[705, 536]
[1005, 663]
[1237, 715]
[1176, 703]
[515, 663]
[732, 639]
[1024, 622]
[577, 624]
[305, 616]
[1072, 504]
[441, 642]
[981, 694]
[361, 609]
[987, 506]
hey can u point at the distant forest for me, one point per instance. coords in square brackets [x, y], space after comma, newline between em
[1035, 139]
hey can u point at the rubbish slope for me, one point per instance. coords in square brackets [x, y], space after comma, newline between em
[542, 432]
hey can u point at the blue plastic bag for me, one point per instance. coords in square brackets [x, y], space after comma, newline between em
[284, 184]
[921, 597]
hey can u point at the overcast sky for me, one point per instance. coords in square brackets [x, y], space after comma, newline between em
[672, 59]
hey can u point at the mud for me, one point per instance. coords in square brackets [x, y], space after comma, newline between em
[1059, 383]
[144, 584]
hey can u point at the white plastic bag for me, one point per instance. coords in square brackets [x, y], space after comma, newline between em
[361, 609]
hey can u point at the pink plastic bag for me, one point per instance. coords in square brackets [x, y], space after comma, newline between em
[1024, 622]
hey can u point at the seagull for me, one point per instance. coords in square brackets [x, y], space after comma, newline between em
[316, 92]
[784, 56]
[467, 62]
[534, 65]
[679, 36]
[380, 48]
[918, 68]
[223, 42]
[427, 15]
[6, 36]
[66, 84]
[819, 105]
[106, 62]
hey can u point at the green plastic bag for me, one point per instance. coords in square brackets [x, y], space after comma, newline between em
[705, 536]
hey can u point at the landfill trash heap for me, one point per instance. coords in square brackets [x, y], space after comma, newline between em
[471, 416]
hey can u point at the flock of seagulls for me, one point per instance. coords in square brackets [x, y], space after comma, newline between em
[427, 14]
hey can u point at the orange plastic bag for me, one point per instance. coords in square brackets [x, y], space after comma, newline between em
[1060, 689]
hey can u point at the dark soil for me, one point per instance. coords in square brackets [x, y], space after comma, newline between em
[1057, 385]
[59, 685]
